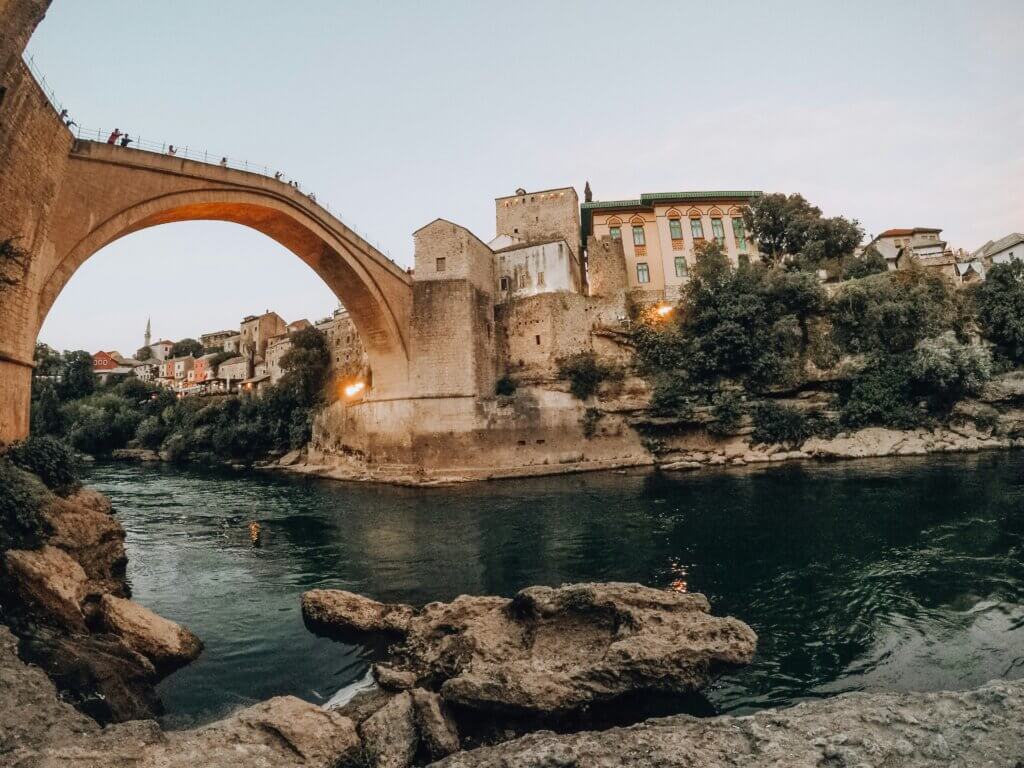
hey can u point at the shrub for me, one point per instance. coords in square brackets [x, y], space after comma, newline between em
[21, 495]
[777, 423]
[882, 394]
[892, 312]
[672, 397]
[945, 370]
[506, 386]
[176, 448]
[871, 262]
[151, 433]
[49, 459]
[1000, 307]
[726, 414]
[585, 373]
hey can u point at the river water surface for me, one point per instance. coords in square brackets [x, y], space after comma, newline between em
[875, 575]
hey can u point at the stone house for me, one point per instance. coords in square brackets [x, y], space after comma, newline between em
[528, 270]
[277, 346]
[348, 358]
[215, 339]
[161, 349]
[659, 232]
[231, 343]
[233, 371]
[147, 370]
[203, 370]
[1003, 250]
[897, 246]
[256, 331]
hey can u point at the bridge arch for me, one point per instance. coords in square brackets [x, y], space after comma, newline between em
[109, 192]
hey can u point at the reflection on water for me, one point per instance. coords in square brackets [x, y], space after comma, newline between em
[877, 575]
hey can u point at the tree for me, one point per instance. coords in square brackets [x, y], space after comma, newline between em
[1000, 304]
[306, 365]
[788, 228]
[187, 347]
[893, 311]
[77, 379]
[871, 262]
[48, 362]
[143, 354]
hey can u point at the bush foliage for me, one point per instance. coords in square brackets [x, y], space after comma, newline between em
[49, 459]
[21, 497]
[585, 373]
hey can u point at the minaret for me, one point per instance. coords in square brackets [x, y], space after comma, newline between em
[148, 335]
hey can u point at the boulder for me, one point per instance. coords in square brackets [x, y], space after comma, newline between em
[557, 651]
[338, 610]
[49, 585]
[910, 730]
[90, 498]
[167, 644]
[98, 673]
[437, 729]
[392, 679]
[83, 528]
[389, 734]
[290, 459]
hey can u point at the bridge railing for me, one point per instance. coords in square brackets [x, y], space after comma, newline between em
[189, 153]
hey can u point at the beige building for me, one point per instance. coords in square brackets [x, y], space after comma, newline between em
[546, 216]
[233, 371]
[659, 230]
[215, 339]
[231, 343]
[257, 330]
[898, 245]
[347, 354]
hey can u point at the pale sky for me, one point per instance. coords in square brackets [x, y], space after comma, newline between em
[897, 114]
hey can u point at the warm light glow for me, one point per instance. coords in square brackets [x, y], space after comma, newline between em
[664, 309]
[355, 388]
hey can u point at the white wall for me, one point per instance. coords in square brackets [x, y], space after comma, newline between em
[535, 269]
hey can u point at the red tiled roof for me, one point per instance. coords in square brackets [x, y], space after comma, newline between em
[905, 232]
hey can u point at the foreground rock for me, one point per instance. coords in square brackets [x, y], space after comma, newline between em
[978, 728]
[340, 611]
[166, 644]
[49, 583]
[551, 651]
[66, 602]
[83, 527]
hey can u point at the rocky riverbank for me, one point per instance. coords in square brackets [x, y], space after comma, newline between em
[68, 604]
[490, 668]
[982, 727]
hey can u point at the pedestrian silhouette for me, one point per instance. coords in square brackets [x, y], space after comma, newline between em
[223, 162]
[126, 140]
[114, 136]
[171, 149]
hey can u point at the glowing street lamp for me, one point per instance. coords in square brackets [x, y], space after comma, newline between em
[354, 389]
[664, 310]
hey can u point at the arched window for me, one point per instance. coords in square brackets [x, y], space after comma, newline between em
[615, 228]
[696, 225]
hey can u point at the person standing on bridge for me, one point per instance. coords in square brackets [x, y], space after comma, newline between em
[126, 140]
[277, 176]
[223, 162]
[171, 149]
[114, 136]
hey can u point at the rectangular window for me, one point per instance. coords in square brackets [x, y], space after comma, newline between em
[696, 229]
[675, 229]
[643, 274]
[719, 231]
[504, 283]
[540, 278]
[740, 233]
[680, 266]
[615, 232]
[638, 235]
[440, 263]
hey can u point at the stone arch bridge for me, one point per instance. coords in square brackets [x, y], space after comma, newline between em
[106, 192]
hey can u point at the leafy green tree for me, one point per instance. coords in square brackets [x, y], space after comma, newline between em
[946, 370]
[21, 496]
[48, 459]
[1000, 307]
[871, 262]
[790, 228]
[76, 379]
[48, 362]
[46, 418]
[187, 347]
[306, 366]
[143, 354]
[893, 311]
[585, 372]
